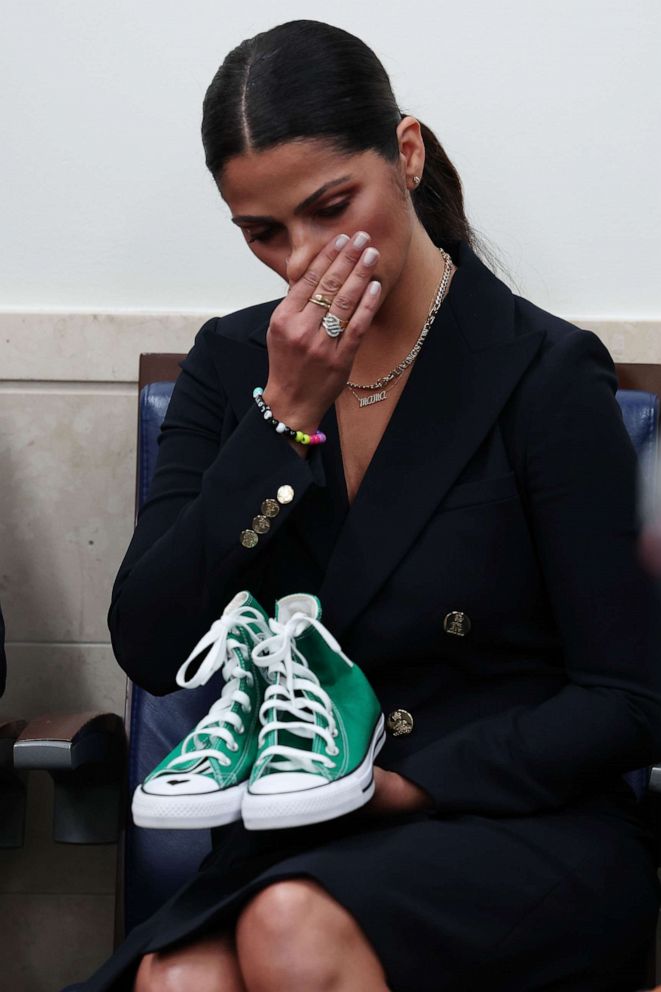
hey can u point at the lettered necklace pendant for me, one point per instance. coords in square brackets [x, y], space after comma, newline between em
[374, 398]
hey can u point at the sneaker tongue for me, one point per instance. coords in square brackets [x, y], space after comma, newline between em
[299, 602]
[244, 598]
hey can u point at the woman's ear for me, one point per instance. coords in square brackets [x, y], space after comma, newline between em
[411, 149]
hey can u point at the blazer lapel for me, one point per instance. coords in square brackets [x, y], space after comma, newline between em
[467, 369]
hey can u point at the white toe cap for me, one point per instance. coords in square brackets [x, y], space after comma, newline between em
[279, 782]
[185, 784]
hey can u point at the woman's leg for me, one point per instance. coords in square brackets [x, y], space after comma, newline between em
[293, 935]
[208, 964]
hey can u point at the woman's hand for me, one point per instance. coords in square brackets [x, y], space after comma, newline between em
[396, 794]
[308, 369]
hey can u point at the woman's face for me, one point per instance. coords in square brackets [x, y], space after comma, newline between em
[289, 201]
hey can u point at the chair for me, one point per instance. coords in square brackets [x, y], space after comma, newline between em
[152, 864]
[155, 863]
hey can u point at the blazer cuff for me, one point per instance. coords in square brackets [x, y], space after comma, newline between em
[260, 464]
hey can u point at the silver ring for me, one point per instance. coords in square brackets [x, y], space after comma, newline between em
[333, 325]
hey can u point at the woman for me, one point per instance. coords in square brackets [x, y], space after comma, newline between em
[470, 531]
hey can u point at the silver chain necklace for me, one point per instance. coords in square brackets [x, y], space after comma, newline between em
[381, 393]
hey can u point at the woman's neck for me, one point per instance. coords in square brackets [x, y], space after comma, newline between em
[400, 318]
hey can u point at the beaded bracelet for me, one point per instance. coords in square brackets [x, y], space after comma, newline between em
[281, 428]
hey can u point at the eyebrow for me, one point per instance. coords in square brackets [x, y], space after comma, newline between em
[307, 202]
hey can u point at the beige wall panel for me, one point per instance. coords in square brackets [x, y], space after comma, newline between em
[633, 341]
[84, 347]
[44, 866]
[49, 941]
[105, 347]
[62, 677]
[67, 481]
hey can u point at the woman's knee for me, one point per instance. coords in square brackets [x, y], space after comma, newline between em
[289, 911]
[206, 965]
[294, 928]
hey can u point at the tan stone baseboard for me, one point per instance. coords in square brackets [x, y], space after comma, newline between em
[90, 347]
[627, 340]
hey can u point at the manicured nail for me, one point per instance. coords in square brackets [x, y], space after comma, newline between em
[370, 256]
[360, 239]
[341, 241]
[374, 288]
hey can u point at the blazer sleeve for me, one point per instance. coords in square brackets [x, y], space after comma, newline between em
[185, 560]
[580, 481]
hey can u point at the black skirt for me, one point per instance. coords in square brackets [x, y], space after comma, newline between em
[566, 900]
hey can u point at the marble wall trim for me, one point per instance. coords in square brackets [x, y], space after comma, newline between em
[89, 347]
[98, 348]
[63, 387]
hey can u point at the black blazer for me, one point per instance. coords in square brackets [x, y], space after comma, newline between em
[503, 491]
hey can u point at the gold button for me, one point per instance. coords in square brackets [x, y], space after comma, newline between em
[285, 494]
[260, 524]
[457, 623]
[399, 722]
[248, 538]
[270, 508]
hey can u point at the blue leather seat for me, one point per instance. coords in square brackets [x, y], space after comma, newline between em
[158, 861]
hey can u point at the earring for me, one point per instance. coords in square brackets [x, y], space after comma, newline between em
[416, 180]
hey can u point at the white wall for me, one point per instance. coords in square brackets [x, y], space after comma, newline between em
[550, 110]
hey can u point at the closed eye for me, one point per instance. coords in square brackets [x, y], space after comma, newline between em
[333, 211]
[265, 236]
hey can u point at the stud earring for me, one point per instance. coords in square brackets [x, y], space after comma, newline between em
[416, 180]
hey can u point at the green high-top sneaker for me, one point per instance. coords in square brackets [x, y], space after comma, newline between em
[201, 782]
[322, 725]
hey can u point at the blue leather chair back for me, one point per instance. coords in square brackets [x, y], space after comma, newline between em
[157, 862]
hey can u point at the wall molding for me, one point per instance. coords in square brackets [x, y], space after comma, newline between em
[97, 348]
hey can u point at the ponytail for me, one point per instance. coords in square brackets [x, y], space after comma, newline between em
[439, 199]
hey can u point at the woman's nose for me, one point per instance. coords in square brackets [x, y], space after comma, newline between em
[300, 257]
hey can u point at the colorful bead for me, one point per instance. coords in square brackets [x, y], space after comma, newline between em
[281, 428]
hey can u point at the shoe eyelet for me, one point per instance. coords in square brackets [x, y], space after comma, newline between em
[233, 746]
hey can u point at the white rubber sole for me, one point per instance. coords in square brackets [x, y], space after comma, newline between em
[187, 812]
[325, 802]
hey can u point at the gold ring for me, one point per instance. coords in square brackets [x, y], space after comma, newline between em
[321, 301]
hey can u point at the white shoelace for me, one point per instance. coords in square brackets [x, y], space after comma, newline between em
[298, 693]
[226, 653]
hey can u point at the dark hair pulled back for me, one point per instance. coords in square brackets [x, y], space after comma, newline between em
[310, 80]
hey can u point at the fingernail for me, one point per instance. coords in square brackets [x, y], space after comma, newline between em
[360, 239]
[370, 256]
[374, 288]
[341, 241]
